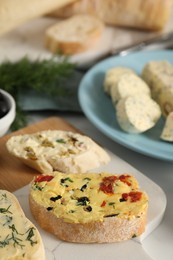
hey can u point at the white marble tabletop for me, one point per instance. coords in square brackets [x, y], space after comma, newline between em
[159, 244]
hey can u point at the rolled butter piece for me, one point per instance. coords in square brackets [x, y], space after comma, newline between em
[159, 77]
[137, 114]
[167, 132]
[128, 85]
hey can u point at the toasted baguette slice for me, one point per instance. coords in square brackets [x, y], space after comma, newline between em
[19, 238]
[74, 35]
[88, 208]
[52, 150]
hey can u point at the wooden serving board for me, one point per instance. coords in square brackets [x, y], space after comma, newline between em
[13, 173]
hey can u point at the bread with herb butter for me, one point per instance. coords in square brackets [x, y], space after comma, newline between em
[52, 150]
[89, 207]
[74, 35]
[19, 238]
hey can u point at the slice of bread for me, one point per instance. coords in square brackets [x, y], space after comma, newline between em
[89, 207]
[52, 150]
[19, 238]
[74, 35]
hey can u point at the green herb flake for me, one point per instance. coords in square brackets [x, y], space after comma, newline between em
[111, 203]
[87, 179]
[61, 141]
[5, 210]
[30, 235]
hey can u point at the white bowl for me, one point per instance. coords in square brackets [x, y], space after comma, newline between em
[7, 120]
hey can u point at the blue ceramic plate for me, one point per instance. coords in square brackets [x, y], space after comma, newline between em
[98, 107]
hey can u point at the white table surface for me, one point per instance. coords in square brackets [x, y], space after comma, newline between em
[159, 244]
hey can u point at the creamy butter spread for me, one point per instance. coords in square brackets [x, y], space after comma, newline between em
[19, 238]
[112, 77]
[82, 198]
[58, 150]
[137, 114]
[159, 76]
[129, 85]
[167, 132]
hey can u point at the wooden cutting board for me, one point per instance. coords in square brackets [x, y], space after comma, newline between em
[13, 173]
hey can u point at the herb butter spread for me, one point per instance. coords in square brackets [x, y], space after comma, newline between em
[84, 198]
[19, 238]
[137, 114]
[167, 132]
[58, 150]
[113, 75]
[159, 76]
[129, 85]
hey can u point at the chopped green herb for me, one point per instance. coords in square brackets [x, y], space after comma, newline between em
[5, 242]
[5, 210]
[30, 235]
[82, 201]
[111, 215]
[62, 141]
[111, 203]
[87, 179]
[63, 181]
[83, 187]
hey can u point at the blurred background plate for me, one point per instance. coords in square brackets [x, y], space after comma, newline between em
[98, 107]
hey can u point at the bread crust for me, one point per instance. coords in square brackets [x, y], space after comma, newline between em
[112, 229]
[148, 14]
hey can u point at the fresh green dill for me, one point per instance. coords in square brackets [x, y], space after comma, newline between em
[30, 235]
[5, 210]
[62, 141]
[8, 220]
[5, 242]
[41, 76]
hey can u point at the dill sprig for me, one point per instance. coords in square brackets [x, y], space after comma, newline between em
[42, 76]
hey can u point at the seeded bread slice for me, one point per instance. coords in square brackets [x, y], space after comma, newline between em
[52, 150]
[89, 208]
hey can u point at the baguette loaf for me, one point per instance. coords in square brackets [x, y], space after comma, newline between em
[89, 208]
[52, 150]
[19, 238]
[16, 12]
[148, 14]
[74, 35]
